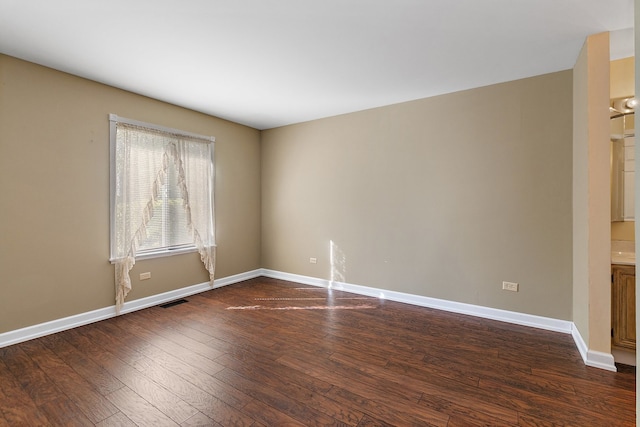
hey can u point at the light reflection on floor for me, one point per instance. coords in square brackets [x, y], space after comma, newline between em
[315, 307]
[302, 299]
[329, 298]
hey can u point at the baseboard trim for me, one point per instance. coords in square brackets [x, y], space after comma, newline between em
[598, 359]
[58, 325]
[595, 359]
[440, 304]
[591, 358]
[305, 280]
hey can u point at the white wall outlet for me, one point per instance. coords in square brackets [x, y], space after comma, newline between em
[313, 260]
[510, 286]
[145, 276]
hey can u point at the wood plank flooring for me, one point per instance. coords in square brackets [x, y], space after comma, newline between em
[272, 353]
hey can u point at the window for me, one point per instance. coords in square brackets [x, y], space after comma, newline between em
[167, 229]
[162, 183]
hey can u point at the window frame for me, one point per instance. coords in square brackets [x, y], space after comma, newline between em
[114, 119]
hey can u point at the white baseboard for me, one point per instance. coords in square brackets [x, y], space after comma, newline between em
[592, 358]
[305, 280]
[58, 325]
[596, 359]
[440, 304]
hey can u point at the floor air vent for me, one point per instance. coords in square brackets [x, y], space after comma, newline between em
[172, 303]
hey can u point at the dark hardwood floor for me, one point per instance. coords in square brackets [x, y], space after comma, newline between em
[271, 353]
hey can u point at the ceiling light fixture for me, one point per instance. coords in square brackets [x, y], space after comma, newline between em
[623, 106]
[631, 103]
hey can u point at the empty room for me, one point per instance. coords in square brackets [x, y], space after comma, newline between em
[354, 213]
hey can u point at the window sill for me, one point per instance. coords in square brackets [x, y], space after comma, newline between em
[162, 254]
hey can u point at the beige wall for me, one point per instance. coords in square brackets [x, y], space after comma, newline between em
[622, 74]
[443, 197]
[592, 195]
[623, 230]
[580, 196]
[54, 209]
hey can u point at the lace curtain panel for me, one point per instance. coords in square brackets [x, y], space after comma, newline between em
[142, 159]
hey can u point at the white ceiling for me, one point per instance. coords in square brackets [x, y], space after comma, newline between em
[267, 63]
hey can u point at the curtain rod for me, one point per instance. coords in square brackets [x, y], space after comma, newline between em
[117, 119]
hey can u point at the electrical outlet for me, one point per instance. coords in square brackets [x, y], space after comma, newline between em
[313, 260]
[510, 286]
[145, 276]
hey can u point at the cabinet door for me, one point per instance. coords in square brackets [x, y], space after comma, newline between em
[623, 306]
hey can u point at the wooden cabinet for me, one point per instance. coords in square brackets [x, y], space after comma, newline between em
[623, 306]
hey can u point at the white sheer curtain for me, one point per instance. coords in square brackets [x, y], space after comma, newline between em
[142, 157]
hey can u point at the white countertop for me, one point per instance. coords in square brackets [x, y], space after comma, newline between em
[623, 252]
[623, 258]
